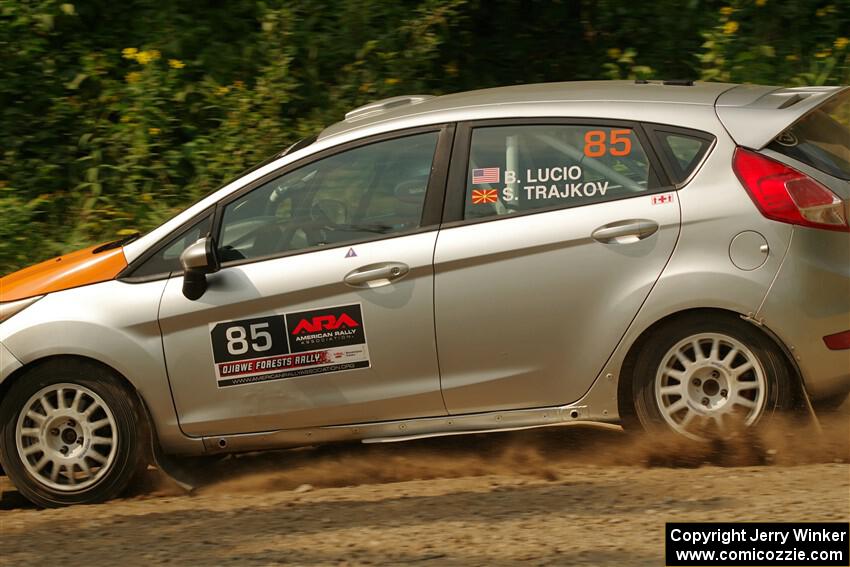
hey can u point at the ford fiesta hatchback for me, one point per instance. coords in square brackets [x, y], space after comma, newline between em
[663, 254]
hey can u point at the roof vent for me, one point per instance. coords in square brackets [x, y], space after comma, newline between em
[385, 105]
[792, 100]
[669, 82]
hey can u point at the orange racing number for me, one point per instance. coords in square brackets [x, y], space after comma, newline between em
[597, 143]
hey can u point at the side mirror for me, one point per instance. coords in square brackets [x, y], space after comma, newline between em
[198, 260]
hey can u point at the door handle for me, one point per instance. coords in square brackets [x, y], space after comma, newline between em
[624, 232]
[376, 275]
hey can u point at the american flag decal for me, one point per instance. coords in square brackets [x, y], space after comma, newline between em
[485, 175]
[484, 196]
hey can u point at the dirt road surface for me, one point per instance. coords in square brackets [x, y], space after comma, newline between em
[562, 496]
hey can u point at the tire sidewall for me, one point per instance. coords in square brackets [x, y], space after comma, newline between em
[120, 402]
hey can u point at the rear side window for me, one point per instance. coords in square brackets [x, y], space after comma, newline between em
[821, 138]
[516, 169]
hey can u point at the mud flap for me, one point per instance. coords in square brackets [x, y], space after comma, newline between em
[170, 467]
[807, 401]
[167, 465]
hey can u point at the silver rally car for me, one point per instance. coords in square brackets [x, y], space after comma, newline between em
[660, 254]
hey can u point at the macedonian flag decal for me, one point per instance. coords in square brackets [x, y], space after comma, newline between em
[484, 196]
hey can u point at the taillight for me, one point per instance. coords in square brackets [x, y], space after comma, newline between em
[787, 195]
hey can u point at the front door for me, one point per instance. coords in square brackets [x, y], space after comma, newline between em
[322, 313]
[564, 228]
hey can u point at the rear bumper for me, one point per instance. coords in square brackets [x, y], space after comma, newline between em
[809, 300]
[8, 363]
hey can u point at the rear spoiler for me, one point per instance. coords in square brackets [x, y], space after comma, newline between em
[754, 115]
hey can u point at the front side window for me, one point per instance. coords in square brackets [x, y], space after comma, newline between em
[515, 169]
[363, 193]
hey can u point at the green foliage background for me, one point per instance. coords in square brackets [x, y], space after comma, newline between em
[115, 115]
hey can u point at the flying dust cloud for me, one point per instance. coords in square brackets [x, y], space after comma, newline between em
[546, 453]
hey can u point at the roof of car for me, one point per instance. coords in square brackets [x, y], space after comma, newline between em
[649, 92]
[752, 114]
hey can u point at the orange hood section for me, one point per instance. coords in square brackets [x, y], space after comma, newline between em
[76, 269]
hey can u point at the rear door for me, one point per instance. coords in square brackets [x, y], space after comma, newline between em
[557, 230]
[322, 313]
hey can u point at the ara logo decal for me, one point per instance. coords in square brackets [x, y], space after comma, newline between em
[351, 253]
[662, 199]
[324, 323]
[330, 327]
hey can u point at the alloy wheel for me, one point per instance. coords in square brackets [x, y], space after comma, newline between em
[67, 437]
[708, 380]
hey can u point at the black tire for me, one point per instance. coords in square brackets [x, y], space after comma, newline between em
[779, 394]
[129, 434]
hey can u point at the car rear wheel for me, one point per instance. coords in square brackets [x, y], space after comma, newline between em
[703, 378]
[71, 434]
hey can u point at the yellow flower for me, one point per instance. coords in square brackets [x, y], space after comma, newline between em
[129, 53]
[727, 10]
[125, 118]
[820, 13]
[761, 3]
[147, 197]
[133, 77]
[126, 232]
[614, 53]
[176, 64]
[153, 131]
[791, 57]
[823, 54]
[145, 57]
[238, 85]
[730, 27]
[221, 91]
[841, 43]
[391, 81]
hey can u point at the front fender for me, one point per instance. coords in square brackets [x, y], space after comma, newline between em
[114, 323]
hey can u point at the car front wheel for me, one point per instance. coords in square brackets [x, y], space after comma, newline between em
[703, 378]
[71, 434]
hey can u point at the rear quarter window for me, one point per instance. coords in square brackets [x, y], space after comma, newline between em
[682, 150]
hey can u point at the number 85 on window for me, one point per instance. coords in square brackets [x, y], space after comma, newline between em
[597, 143]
